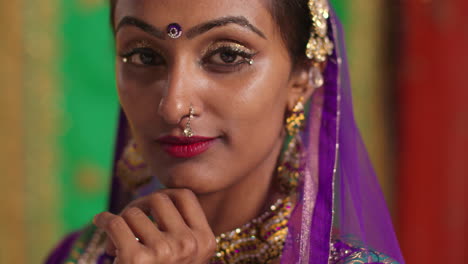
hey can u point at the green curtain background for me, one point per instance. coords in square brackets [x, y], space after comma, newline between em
[60, 112]
[90, 105]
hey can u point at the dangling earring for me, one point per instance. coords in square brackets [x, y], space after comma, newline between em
[294, 121]
[291, 165]
[316, 76]
[131, 169]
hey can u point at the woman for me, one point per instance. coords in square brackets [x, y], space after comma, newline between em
[237, 142]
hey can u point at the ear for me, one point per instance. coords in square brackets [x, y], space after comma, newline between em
[301, 82]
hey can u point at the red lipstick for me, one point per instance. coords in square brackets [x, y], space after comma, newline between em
[184, 147]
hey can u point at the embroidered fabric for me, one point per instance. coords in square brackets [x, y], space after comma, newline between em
[88, 247]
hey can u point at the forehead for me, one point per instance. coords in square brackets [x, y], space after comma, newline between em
[193, 12]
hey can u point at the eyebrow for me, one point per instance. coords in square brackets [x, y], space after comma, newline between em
[194, 31]
[220, 22]
[133, 21]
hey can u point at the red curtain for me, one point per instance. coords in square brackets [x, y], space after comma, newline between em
[433, 135]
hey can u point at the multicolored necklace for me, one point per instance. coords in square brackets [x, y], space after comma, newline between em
[259, 241]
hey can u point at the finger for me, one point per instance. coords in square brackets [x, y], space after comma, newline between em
[165, 213]
[110, 247]
[189, 207]
[117, 229]
[146, 231]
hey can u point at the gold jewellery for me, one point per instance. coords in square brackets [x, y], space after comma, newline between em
[319, 45]
[188, 132]
[291, 162]
[294, 122]
[259, 241]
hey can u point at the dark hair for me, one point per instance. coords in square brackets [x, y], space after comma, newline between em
[293, 19]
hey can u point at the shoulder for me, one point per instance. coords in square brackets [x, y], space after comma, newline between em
[344, 253]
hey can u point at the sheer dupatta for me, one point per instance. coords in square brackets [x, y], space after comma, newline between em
[341, 202]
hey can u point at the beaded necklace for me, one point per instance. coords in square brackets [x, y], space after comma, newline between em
[259, 241]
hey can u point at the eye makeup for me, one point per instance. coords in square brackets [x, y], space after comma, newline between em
[135, 45]
[233, 47]
[142, 53]
[227, 56]
[219, 56]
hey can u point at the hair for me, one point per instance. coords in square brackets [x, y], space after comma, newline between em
[293, 19]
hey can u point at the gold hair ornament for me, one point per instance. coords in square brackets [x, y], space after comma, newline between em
[319, 45]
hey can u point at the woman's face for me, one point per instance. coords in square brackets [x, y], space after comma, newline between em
[239, 107]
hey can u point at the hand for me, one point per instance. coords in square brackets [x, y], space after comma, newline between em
[179, 234]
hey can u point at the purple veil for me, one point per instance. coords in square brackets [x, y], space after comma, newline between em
[349, 206]
[340, 200]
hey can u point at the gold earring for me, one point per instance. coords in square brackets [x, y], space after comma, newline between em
[294, 122]
[291, 162]
[188, 132]
[316, 76]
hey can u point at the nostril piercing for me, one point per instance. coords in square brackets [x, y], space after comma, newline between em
[188, 132]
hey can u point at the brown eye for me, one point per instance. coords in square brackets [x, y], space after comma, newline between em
[147, 58]
[228, 57]
[144, 56]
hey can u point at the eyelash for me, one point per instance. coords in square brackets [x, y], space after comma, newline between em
[141, 51]
[233, 49]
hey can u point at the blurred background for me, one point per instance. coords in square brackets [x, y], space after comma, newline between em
[58, 116]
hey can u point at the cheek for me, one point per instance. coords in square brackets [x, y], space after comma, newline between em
[250, 110]
[138, 98]
[257, 99]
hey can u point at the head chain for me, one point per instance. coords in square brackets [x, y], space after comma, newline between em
[319, 45]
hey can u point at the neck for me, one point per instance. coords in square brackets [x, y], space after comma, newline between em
[243, 201]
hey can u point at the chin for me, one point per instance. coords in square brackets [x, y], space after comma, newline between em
[199, 183]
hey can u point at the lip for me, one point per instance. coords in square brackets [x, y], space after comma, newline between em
[184, 147]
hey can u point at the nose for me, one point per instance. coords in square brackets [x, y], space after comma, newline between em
[178, 95]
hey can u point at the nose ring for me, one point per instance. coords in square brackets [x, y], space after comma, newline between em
[188, 132]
